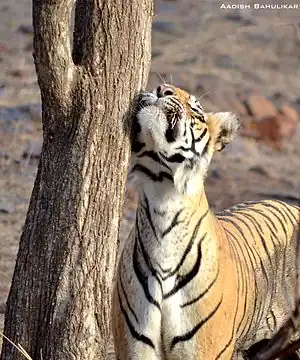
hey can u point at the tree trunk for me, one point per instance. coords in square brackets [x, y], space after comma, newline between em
[59, 302]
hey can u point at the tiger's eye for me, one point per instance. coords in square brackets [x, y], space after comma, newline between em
[168, 92]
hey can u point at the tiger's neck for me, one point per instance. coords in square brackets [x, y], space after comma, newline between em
[172, 226]
[165, 198]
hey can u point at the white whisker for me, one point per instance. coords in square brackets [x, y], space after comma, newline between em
[173, 122]
[209, 92]
[161, 78]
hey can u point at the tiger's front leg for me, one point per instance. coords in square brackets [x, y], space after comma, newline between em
[133, 339]
[136, 311]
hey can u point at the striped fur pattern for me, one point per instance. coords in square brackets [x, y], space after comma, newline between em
[191, 284]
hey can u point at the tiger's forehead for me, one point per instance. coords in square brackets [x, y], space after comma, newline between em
[183, 96]
[189, 101]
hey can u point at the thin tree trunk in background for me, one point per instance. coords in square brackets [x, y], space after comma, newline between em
[59, 302]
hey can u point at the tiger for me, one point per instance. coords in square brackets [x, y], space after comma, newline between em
[191, 284]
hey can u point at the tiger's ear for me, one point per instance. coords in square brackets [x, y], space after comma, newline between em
[223, 127]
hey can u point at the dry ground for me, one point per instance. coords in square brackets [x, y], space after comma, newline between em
[196, 45]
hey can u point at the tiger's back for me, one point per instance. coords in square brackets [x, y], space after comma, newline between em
[262, 236]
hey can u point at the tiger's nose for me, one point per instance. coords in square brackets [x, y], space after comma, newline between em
[164, 90]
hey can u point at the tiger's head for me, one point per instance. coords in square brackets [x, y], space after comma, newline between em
[174, 139]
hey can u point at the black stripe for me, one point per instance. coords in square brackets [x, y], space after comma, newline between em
[182, 280]
[241, 277]
[289, 205]
[126, 298]
[204, 151]
[146, 256]
[184, 133]
[174, 223]
[201, 135]
[231, 336]
[134, 333]
[142, 278]
[171, 134]
[189, 246]
[202, 293]
[137, 146]
[240, 219]
[192, 149]
[187, 336]
[290, 216]
[257, 227]
[193, 145]
[244, 205]
[227, 344]
[287, 208]
[260, 231]
[199, 117]
[174, 104]
[274, 230]
[183, 148]
[252, 249]
[149, 217]
[176, 158]
[281, 211]
[155, 177]
[248, 248]
[279, 220]
[164, 270]
[153, 155]
[253, 272]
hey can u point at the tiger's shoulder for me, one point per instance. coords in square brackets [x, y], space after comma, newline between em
[264, 205]
[277, 213]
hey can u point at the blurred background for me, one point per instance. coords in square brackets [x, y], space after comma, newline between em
[241, 60]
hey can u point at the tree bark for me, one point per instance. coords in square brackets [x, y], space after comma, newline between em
[59, 302]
